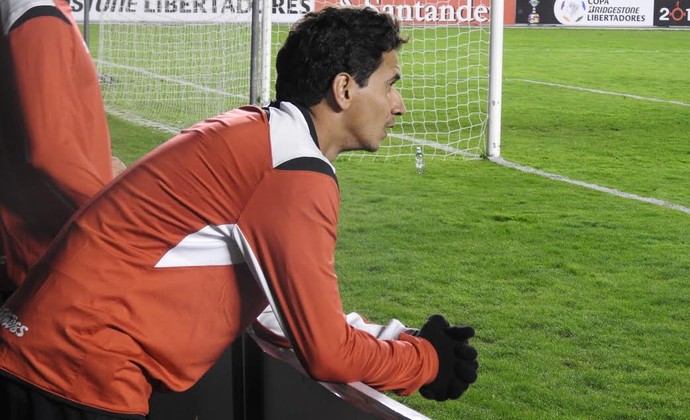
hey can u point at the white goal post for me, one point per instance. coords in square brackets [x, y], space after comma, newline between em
[171, 63]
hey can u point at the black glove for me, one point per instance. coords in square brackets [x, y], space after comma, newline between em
[457, 359]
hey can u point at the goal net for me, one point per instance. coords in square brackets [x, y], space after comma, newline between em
[176, 62]
[167, 71]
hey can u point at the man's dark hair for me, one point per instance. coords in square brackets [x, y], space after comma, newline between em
[328, 42]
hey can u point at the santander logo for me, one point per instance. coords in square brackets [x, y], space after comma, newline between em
[447, 12]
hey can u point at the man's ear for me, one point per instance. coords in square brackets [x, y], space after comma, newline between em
[342, 89]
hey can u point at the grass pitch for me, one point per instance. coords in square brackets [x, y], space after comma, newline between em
[580, 299]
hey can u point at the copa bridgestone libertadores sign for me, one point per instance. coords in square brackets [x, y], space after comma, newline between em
[604, 13]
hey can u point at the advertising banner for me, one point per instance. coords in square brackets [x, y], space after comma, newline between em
[671, 13]
[446, 12]
[414, 12]
[597, 13]
[206, 11]
[604, 13]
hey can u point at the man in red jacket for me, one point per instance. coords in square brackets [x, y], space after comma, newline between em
[166, 266]
[55, 148]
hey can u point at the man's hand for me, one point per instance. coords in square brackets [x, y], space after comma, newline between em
[457, 359]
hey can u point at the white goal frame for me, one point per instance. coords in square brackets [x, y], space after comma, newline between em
[462, 122]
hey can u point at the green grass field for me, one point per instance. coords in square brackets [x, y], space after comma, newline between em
[580, 299]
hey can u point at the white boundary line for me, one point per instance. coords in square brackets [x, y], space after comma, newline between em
[171, 79]
[612, 191]
[499, 160]
[447, 148]
[604, 92]
[150, 123]
[555, 177]
[435, 145]
[142, 121]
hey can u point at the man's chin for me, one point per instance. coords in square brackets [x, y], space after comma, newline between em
[377, 144]
[370, 146]
[374, 147]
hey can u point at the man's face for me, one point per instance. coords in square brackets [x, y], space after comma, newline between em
[376, 105]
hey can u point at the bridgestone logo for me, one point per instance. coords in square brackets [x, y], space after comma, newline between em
[11, 322]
